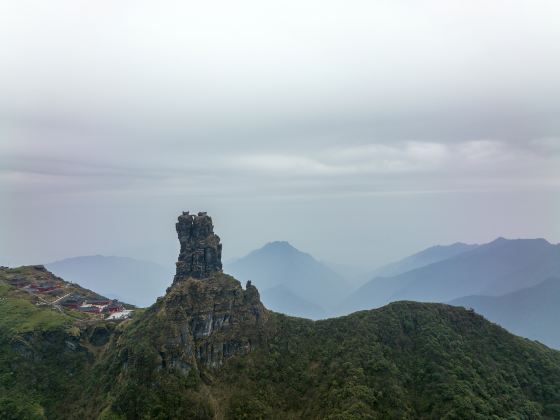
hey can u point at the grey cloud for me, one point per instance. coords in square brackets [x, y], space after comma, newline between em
[126, 112]
[363, 168]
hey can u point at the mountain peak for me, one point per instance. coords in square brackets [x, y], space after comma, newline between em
[280, 245]
[201, 251]
[208, 316]
[499, 239]
[520, 241]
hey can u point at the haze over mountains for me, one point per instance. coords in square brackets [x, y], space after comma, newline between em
[130, 280]
[495, 268]
[510, 279]
[295, 283]
[533, 312]
[420, 259]
[210, 349]
[505, 280]
[290, 281]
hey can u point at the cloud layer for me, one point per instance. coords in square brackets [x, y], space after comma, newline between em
[364, 168]
[404, 110]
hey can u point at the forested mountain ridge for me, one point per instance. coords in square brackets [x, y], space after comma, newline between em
[532, 312]
[209, 349]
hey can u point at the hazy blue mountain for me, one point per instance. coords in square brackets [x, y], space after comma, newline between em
[358, 277]
[422, 258]
[133, 281]
[495, 268]
[533, 312]
[281, 299]
[301, 276]
[355, 276]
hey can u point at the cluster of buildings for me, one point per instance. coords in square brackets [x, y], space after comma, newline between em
[43, 287]
[111, 308]
[117, 316]
[94, 306]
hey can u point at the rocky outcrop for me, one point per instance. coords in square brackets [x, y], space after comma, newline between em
[201, 251]
[209, 321]
[206, 316]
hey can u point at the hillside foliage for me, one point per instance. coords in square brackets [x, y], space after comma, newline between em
[407, 360]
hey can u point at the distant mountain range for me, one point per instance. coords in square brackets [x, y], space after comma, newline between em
[127, 279]
[290, 281]
[533, 312]
[210, 349]
[495, 268]
[281, 299]
[511, 282]
[420, 259]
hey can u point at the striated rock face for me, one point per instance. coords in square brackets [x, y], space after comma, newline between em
[208, 321]
[205, 317]
[201, 251]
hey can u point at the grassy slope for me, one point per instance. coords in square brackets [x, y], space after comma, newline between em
[42, 356]
[20, 315]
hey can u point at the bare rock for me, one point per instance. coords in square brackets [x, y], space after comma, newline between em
[201, 251]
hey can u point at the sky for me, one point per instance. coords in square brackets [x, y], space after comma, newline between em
[358, 131]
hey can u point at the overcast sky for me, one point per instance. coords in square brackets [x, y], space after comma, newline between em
[360, 131]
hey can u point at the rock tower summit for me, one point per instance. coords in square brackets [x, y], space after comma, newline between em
[201, 250]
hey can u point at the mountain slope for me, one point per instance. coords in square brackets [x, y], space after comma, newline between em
[495, 268]
[407, 360]
[134, 281]
[422, 258]
[209, 349]
[41, 287]
[45, 349]
[533, 312]
[280, 264]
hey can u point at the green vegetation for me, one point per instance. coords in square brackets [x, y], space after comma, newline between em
[19, 315]
[15, 406]
[43, 359]
[407, 360]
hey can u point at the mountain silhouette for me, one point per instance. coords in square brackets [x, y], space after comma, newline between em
[289, 278]
[532, 312]
[495, 268]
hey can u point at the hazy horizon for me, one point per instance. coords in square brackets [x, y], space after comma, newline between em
[230, 259]
[360, 133]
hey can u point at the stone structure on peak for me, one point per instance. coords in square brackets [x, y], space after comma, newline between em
[201, 251]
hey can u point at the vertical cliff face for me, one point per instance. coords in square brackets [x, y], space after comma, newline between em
[201, 251]
[205, 317]
[209, 321]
